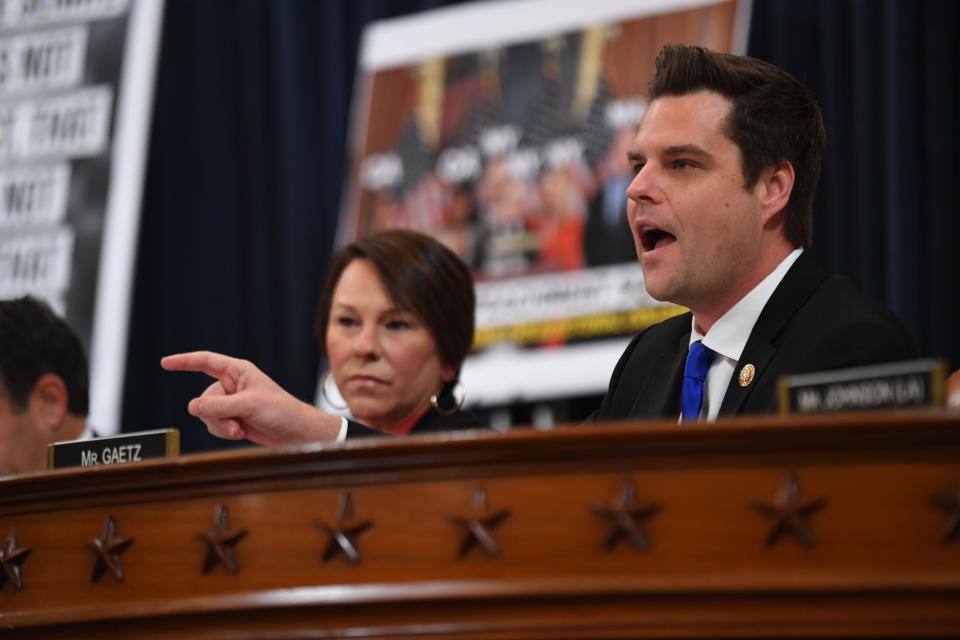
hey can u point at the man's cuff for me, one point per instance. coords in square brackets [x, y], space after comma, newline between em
[342, 435]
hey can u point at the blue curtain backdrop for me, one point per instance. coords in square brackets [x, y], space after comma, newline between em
[887, 209]
[247, 155]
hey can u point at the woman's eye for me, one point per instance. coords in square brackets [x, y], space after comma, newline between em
[397, 325]
[346, 321]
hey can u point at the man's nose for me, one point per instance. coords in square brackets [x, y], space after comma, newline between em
[644, 186]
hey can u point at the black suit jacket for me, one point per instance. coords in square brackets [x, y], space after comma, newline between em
[812, 322]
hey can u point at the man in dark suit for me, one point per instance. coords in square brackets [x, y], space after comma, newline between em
[725, 164]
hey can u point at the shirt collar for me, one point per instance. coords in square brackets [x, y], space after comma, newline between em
[728, 335]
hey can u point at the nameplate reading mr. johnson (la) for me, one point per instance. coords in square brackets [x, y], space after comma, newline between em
[914, 383]
[128, 447]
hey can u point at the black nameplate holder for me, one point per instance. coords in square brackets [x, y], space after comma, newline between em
[898, 385]
[127, 447]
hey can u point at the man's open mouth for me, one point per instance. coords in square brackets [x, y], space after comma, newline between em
[652, 237]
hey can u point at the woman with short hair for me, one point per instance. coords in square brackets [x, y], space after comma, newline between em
[395, 321]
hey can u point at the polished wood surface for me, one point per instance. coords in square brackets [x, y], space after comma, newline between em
[824, 526]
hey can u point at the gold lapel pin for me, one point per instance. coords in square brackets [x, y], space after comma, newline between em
[747, 374]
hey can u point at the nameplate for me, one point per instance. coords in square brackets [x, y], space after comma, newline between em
[915, 383]
[128, 447]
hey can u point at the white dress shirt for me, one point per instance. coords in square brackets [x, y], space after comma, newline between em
[728, 336]
[342, 434]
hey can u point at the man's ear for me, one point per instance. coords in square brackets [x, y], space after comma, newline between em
[777, 185]
[48, 403]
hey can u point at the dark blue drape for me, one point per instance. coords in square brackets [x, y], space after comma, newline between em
[886, 213]
[247, 155]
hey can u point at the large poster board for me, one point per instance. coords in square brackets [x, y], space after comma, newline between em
[76, 81]
[502, 129]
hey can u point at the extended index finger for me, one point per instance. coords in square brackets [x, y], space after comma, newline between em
[215, 365]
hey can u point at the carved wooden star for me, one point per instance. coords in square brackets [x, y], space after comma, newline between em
[107, 549]
[479, 530]
[11, 557]
[950, 504]
[343, 536]
[626, 517]
[787, 515]
[221, 541]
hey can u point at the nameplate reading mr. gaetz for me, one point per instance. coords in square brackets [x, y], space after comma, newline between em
[129, 447]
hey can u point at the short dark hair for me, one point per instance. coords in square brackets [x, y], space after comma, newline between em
[421, 276]
[33, 341]
[774, 118]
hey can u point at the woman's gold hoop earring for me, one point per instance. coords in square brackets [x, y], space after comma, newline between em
[451, 393]
[323, 392]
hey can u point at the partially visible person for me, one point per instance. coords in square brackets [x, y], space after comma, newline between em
[460, 224]
[43, 384]
[396, 321]
[561, 225]
[606, 234]
[506, 201]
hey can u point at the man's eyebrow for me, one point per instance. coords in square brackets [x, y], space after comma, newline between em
[687, 150]
[676, 150]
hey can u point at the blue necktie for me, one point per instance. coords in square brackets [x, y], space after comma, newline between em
[698, 363]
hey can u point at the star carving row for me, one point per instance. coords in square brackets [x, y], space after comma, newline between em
[787, 515]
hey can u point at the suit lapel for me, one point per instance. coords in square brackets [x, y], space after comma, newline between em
[794, 290]
[661, 396]
[758, 352]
